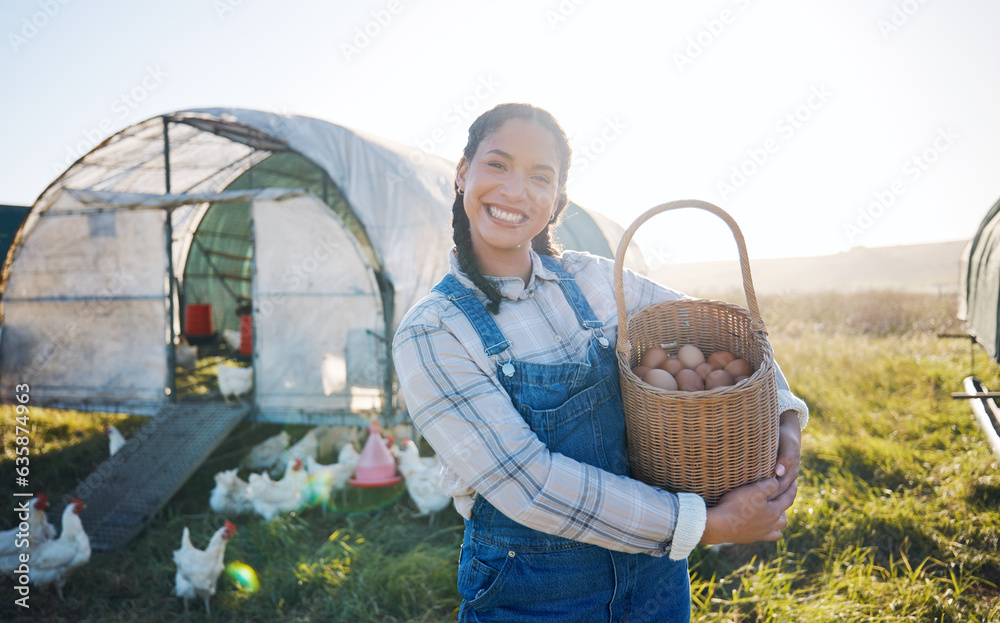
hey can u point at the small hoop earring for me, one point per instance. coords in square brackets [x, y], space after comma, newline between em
[461, 191]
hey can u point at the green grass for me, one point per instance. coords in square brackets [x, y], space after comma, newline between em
[896, 519]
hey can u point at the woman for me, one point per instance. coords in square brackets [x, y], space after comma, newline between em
[509, 371]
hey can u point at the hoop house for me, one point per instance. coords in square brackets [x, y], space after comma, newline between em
[318, 237]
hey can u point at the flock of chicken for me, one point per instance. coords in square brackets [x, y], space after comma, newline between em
[51, 560]
[305, 481]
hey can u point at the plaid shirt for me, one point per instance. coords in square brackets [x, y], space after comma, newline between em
[485, 446]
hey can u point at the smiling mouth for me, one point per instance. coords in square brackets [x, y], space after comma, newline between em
[506, 217]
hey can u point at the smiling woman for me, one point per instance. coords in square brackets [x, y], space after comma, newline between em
[509, 198]
[508, 371]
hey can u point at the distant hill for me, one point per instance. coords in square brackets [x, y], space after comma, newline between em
[911, 268]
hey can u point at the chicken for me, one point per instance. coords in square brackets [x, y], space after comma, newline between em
[267, 453]
[422, 476]
[15, 541]
[325, 479]
[330, 439]
[230, 494]
[115, 439]
[424, 486]
[308, 446]
[234, 381]
[197, 570]
[232, 338]
[270, 498]
[348, 455]
[55, 560]
[185, 355]
[401, 431]
[410, 455]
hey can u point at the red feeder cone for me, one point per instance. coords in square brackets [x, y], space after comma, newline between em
[376, 466]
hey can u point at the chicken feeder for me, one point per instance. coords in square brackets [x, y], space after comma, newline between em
[376, 466]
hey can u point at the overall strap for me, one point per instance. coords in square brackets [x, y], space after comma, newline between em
[493, 340]
[584, 313]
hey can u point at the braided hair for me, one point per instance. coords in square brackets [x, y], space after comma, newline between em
[488, 123]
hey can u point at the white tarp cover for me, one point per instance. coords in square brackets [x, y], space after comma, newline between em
[85, 293]
[396, 191]
[80, 321]
[313, 291]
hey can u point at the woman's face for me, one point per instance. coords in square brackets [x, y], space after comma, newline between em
[511, 187]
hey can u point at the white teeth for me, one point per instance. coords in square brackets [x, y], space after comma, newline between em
[505, 216]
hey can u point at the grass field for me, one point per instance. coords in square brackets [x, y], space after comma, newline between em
[896, 520]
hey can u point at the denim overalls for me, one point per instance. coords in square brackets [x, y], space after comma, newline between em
[509, 572]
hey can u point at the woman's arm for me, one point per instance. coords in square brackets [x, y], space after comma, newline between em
[471, 423]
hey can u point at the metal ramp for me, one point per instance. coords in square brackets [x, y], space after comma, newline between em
[135, 483]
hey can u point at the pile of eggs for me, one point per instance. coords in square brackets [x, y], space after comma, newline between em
[691, 371]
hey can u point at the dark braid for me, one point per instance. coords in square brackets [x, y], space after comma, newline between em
[463, 245]
[488, 123]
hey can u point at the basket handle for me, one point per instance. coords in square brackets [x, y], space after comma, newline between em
[756, 324]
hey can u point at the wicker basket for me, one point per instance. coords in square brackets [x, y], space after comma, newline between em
[707, 442]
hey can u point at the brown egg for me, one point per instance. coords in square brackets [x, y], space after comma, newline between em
[690, 355]
[704, 369]
[673, 366]
[738, 367]
[640, 370]
[689, 381]
[740, 379]
[721, 358]
[660, 378]
[653, 357]
[718, 378]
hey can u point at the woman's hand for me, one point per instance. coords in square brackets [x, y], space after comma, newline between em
[789, 448]
[754, 512]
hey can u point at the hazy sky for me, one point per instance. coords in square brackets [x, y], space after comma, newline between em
[818, 125]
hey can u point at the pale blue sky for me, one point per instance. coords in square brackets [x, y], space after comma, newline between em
[894, 99]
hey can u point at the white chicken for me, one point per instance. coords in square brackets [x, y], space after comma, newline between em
[230, 494]
[331, 439]
[423, 482]
[307, 447]
[410, 455]
[270, 498]
[39, 531]
[348, 455]
[115, 439]
[185, 355]
[198, 570]
[55, 560]
[267, 453]
[400, 431]
[232, 338]
[337, 474]
[324, 481]
[234, 381]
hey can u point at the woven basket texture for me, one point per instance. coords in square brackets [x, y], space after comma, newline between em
[706, 442]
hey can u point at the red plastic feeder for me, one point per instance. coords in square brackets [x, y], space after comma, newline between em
[376, 466]
[246, 335]
[198, 320]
